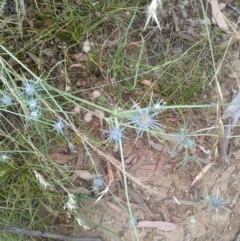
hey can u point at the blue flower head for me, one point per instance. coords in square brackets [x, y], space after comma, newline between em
[97, 183]
[115, 134]
[144, 119]
[34, 115]
[30, 89]
[218, 202]
[59, 126]
[6, 100]
[4, 157]
[33, 104]
[184, 140]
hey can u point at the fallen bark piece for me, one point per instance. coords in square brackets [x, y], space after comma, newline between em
[164, 226]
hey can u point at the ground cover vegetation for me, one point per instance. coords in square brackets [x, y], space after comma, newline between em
[115, 120]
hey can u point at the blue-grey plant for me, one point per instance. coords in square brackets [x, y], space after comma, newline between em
[34, 115]
[184, 140]
[71, 147]
[59, 126]
[30, 88]
[115, 134]
[33, 104]
[6, 100]
[4, 158]
[144, 119]
[97, 183]
[217, 202]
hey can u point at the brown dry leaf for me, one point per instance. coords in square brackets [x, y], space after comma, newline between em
[217, 16]
[156, 145]
[147, 82]
[80, 57]
[100, 114]
[165, 212]
[158, 168]
[78, 190]
[200, 174]
[110, 174]
[137, 165]
[60, 158]
[88, 117]
[95, 94]
[165, 226]
[130, 159]
[151, 84]
[74, 66]
[116, 208]
[86, 175]
[37, 60]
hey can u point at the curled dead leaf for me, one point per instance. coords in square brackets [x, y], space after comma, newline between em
[88, 117]
[80, 57]
[95, 94]
[73, 66]
[60, 158]
[86, 175]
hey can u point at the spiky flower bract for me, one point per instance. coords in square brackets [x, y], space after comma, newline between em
[217, 202]
[6, 100]
[34, 115]
[144, 119]
[4, 157]
[97, 183]
[115, 134]
[33, 104]
[30, 88]
[184, 140]
[59, 126]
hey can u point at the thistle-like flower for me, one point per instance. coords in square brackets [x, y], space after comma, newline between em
[115, 134]
[71, 204]
[34, 115]
[217, 202]
[97, 183]
[152, 13]
[59, 126]
[4, 157]
[145, 120]
[6, 100]
[72, 147]
[184, 140]
[30, 89]
[33, 104]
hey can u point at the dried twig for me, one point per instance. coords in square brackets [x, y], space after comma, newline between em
[36, 233]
